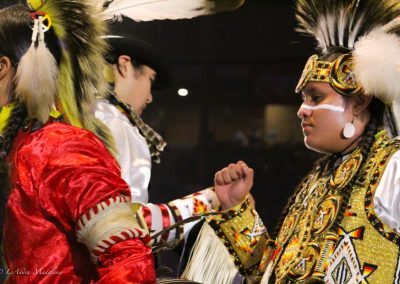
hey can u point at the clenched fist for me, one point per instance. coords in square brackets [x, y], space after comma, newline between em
[233, 183]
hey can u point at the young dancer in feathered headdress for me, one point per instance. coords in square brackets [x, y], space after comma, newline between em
[342, 223]
[66, 214]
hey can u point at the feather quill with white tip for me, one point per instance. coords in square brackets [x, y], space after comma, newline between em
[148, 10]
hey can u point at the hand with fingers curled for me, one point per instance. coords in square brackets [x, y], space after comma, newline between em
[233, 183]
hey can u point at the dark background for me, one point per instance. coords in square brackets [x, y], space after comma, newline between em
[235, 65]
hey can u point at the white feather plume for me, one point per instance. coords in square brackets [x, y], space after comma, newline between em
[36, 77]
[148, 10]
[377, 64]
[332, 28]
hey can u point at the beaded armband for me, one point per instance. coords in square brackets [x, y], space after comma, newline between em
[244, 235]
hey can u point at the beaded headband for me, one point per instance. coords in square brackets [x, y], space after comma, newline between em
[339, 74]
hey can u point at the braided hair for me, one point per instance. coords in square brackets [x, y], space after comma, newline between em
[15, 39]
[15, 122]
[365, 146]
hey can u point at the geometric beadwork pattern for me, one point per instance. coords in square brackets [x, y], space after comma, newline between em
[344, 266]
[243, 234]
[342, 272]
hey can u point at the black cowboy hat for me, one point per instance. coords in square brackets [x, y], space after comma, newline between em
[124, 40]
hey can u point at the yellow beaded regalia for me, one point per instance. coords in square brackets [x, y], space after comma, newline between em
[361, 250]
[311, 244]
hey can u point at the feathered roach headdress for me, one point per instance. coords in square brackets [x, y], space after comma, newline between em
[71, 86]
[365, 31]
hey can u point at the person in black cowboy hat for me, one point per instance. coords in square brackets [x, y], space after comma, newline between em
[135, 67]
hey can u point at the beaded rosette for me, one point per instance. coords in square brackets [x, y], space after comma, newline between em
[305, 241]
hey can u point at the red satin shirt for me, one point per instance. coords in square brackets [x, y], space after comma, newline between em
[58, 173]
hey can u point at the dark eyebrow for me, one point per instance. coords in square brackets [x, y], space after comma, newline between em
[312, 91]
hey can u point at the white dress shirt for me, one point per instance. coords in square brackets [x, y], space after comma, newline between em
[133, 152]
[387, 194]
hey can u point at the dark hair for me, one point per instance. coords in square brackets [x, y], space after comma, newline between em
[15, 40]
[15, 32]
[15, 35]
[112, 58]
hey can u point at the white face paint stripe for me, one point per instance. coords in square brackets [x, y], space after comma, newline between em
[323, 106]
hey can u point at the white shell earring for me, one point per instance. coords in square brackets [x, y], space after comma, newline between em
[349, 130]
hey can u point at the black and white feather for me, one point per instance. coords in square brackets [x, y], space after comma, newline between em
[340, 23]
[148, 10]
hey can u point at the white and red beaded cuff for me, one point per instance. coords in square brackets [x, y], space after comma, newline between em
[193, 205]
[110, 222]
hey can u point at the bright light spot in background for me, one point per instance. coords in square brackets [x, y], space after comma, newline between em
[183, 92]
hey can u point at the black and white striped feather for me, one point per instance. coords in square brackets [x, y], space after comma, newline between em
[340, 23]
